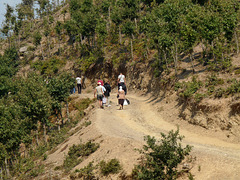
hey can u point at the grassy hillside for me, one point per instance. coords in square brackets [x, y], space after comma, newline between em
[182, 51]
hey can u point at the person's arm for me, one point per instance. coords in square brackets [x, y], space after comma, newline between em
[102, 92]
[124, 80]
[95, 92]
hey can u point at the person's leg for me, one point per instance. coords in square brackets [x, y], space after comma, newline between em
[80, 87]
[101, 98]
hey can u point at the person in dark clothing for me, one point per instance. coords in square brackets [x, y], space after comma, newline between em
[79, 84]
[122, 82]
[107, 92]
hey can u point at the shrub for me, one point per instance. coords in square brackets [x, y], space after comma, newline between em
[213, 80]
[234, 88]
[86, 172]
[112, 166]
[219, 92]
[189, 88]
[198, 97]
[77, 152]
[161, 158]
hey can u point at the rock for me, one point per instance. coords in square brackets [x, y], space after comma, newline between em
[23, 49]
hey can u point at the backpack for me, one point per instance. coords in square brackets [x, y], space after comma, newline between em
[108, 89]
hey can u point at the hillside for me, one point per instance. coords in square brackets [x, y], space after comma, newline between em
[121, 132]
[181, 61]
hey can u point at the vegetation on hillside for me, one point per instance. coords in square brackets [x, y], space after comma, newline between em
[103, 34]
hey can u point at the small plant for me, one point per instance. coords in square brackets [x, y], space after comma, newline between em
[219, 93]
[86, 172]
[234, 88]
[198, 97]
[87, 123]
[189, 88]
[77, 152]
[44, 157]
[161, 158]
[112, 166]
[213, 80]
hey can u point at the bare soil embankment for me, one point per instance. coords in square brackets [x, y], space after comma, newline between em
[119, 132]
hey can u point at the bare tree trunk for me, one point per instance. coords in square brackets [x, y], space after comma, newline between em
[132, 48]
[67, 111]
[19, 40]
[58, 122]
[191, 57]
[165, 58]
[120, 36]
[203, 48]
[37, 142]
[135, 20]
[42, 51]
[7, 168]
[175, 57]
[59, 45]
[61, 117]
[236, 39]
[45, 132]
[1, 171]
[109, 19]
[49, 48]
[214, 57]
[81, 39]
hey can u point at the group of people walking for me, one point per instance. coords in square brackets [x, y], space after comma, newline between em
[103, 91]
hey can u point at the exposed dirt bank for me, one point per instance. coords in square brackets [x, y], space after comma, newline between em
[119, 132]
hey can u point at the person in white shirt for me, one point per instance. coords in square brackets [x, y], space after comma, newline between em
[122, 82]
[79, 84]
[99, 92]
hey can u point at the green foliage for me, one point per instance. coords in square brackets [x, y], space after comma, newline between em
[234, 87]
[48, 67]
[198, 97]
[213, 80]
[86, 172]
[219, 92]
[26, 168]
[82, 104]
[56, 138]
[37, 37]
[161, 158]
[189, 88]
[77, 152]
[11, 128]
[34, 98]
[59, 86]
[111, 167]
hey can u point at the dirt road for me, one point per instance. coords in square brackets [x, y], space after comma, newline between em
[216, 158]
[119, 132]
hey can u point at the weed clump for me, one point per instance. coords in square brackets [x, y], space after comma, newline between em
[112, 166]
[76, 154]
[161, 158]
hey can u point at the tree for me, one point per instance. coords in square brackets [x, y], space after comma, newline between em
[128, 29]
[59, 88]
[11, 131]
[161, 158]
[37, 37]
[35, 100]
[58, 29]
[9, 67]
[8, 23]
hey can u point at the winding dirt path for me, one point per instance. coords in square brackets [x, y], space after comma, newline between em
[216, 158]
[119, 132]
